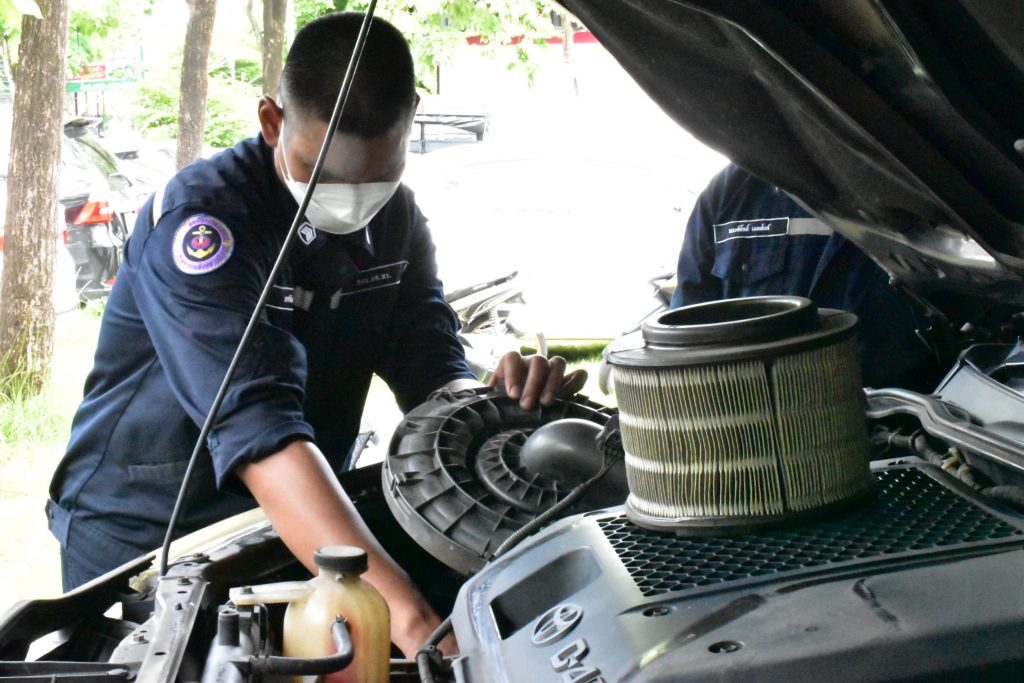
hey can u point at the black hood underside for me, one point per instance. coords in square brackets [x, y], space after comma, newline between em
[899, 123]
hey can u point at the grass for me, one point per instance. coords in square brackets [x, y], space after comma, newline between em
[33, 434]
[26, 417]
[578, 352]
[584, 354]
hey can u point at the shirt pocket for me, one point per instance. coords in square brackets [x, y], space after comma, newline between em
[160, 472]
[750, 267]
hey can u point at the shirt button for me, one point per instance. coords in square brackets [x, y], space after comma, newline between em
[745, 267]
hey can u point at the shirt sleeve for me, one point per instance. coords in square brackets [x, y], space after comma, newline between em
[695, 283]
[424, 351]
[196, 283]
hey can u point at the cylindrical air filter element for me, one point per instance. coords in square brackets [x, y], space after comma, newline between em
[741, 412]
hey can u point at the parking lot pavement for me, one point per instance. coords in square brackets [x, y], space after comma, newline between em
[586, 229]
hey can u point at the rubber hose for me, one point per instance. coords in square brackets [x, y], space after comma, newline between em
[295, 666]
[1007, 494]
[429, 649]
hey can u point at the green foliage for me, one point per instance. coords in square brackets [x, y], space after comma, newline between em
[97, 29]
[156, 106]
[11, 11]
[437, 28]
[89, 30]
[95, 307]
[10, 33]
[230, 108]
[308, 10]
[245, 70]
[26, 414]
[230, 112]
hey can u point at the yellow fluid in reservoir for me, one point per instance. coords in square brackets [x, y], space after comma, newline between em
[340, 591]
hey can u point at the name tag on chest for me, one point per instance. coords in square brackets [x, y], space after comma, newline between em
[749, 229]
[373, 278]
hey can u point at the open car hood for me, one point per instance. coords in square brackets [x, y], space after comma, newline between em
[898, 122]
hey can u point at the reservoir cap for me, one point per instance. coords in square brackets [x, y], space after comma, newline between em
[345, 559]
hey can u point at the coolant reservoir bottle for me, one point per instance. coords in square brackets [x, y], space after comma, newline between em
[340, 591]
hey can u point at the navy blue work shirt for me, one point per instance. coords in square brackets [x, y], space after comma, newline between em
[343, 308]
[747, 237]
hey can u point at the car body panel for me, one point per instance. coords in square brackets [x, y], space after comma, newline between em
[860, 109]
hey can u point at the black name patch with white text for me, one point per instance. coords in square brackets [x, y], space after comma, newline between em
[371, 278]
[746, 229]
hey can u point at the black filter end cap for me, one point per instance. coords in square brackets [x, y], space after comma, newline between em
[732, 321]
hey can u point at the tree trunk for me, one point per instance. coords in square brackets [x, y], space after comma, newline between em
[272, 44]
[30, 242]
[195, 79]
[253, 24]
[568, 40]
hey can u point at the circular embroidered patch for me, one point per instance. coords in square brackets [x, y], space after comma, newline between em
[202, 244]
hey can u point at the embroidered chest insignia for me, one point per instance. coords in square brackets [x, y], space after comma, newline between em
[307, 233]
[202, 244]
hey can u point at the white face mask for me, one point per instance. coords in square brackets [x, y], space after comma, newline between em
[339, 208]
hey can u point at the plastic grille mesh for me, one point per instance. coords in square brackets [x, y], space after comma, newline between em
[910, 514]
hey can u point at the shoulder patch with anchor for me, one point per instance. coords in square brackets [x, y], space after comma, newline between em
[202, 244]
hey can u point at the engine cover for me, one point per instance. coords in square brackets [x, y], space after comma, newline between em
[922, 582]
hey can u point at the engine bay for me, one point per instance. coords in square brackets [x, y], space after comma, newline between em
[917, 582]
[747, 513]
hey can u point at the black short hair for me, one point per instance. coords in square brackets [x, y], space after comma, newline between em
[384, 89]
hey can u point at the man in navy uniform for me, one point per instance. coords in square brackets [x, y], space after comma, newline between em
[746, 237]
[360, 294]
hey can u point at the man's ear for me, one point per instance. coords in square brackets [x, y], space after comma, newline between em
[270, 116]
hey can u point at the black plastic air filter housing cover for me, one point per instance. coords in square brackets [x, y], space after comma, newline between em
[456, 481]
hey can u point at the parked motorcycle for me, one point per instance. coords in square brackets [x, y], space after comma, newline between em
[664, 286]
[495, 320]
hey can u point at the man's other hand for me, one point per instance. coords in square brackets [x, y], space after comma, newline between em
[536, 378]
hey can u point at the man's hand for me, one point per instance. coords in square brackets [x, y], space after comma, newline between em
[309, 509]
[536, 378]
